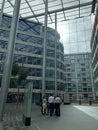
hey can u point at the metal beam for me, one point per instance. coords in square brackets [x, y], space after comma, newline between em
[49, 14]
[10, 3]
[79, 8]
[93, 6]
[31, 10]
[1, 11]
[13, 6]
[59, 10]
[63, 10]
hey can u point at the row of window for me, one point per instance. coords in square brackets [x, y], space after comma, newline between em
[78, 70]
[24, 52]
[80, 85]
[79, 56]
[24, 25]
[78, 79]
[50, 85]
[79, 90]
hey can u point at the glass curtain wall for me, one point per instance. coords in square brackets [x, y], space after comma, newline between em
[29, 53]
[75, 35]
[78, 76]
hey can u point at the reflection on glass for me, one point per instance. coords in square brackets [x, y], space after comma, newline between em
[75, 35]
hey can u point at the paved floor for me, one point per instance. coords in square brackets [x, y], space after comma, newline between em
[73, 117]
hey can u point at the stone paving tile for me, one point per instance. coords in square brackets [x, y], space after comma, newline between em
[91, 111]
[13, 119]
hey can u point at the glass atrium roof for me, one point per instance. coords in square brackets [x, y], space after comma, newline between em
[35, 9]
[73, 18]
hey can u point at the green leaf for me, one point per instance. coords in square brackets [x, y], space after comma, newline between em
[15, 68]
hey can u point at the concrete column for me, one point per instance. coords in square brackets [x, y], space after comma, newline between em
[92, 82]
[55, 53]
[77, 91]
[9, 59]
[1, 12]
[44, 48]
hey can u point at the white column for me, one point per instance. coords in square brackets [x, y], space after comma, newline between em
[77, 91]
[92, 82]
[44, 49]
[55, 53]
[9, 59]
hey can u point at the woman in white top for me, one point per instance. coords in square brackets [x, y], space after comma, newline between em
[44, 105]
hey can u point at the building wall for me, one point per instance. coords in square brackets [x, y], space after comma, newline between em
[29, 52]
[78, 76]
[94, 49]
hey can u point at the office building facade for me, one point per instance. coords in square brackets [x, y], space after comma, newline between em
[29, 53]
[78, 76]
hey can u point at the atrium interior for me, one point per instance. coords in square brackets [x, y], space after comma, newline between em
[56, 42]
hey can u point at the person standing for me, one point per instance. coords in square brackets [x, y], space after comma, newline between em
[44, 105]
[57, 105]
[51, 104]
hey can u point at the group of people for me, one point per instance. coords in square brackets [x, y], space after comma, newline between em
[51, 105]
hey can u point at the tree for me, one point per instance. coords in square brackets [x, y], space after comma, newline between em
[22, 75]
[13, 80]
[19, 74]
[15, 70]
